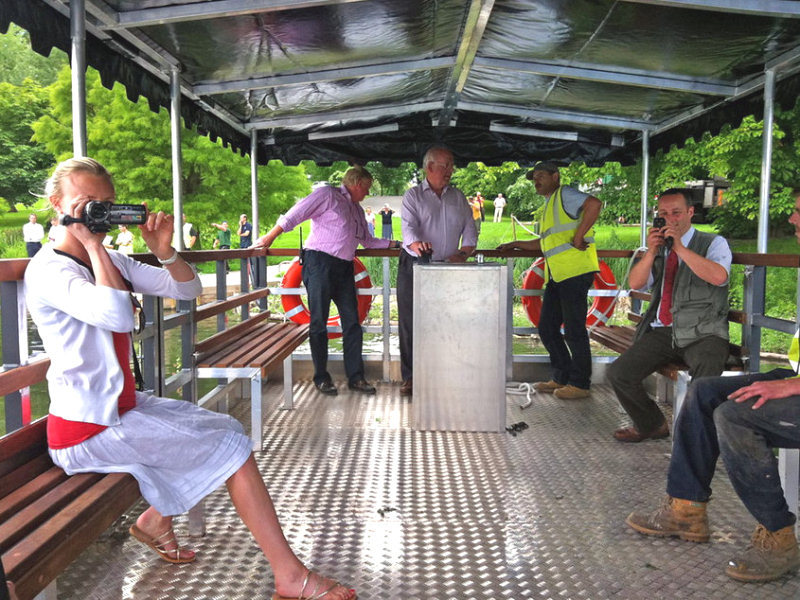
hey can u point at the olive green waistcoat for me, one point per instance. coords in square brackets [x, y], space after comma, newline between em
[699, 309]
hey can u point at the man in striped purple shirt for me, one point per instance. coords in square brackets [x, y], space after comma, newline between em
[338, 226]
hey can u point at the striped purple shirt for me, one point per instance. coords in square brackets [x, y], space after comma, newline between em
[338, 224]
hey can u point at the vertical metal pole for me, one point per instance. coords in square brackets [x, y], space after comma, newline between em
[10, 327]
[188, 330]
[254, 182]
[645, 186]
[150, 360]
[766, 161]
[387, 326]
[509, 318]
[258, 267]
[77, 18]
[175, 141]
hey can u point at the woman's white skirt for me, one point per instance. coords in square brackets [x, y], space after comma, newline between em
[178, 453]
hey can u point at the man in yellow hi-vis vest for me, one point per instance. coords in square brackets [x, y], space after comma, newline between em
[742, 419]
[567, 242]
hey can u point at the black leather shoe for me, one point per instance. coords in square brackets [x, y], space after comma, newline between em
[407, 388]
[327, 387]
[362, 386]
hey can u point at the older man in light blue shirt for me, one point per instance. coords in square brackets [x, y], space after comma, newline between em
[437, 223]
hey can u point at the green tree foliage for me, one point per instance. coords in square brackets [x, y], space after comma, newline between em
[23, 163]
[134, 143]
[489, 181]
[18, 62]
[387, 181]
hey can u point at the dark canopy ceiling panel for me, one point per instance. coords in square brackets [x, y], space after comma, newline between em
[495, 80]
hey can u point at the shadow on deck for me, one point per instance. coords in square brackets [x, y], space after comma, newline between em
[465, 515]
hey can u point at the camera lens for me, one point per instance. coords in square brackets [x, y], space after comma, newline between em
[97, 211]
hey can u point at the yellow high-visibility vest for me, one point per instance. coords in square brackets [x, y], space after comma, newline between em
[558, 229]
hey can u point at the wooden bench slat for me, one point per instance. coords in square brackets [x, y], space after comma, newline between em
[264, 352]
[229, 334]
[220, 306]
[29, 518]
[20, 476]
[21, 446]
[38, 559]
[34, 488]
[226, 355]
[256, 351]
[24, 376]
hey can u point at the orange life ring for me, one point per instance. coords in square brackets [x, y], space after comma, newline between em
[599, 311]
[296, 310]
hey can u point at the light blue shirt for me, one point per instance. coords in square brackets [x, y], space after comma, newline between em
[718, 252]
[444, 222]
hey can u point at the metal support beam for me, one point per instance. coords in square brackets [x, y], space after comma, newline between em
[357, 114]
[645, 186]
[575, 118]
[760, 8]
[475, 26]
[352, 72]
[766, 161]
[177, 157]
[77, 19]
[612, 74]
[214, 9]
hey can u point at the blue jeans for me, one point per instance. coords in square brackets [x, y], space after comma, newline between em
[570, 356]
[710, 425]
[329, 278]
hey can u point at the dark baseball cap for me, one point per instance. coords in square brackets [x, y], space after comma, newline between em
[544, 165]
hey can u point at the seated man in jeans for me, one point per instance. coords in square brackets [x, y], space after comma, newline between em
[742, 419]
[687, 320]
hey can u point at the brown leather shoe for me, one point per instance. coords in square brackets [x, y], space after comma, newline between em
[631, 435]
[407, 388]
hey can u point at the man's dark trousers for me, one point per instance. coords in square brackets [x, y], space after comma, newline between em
[710, 425]
[570, 356]
[705, 358]
[329, 278]
[405, 312]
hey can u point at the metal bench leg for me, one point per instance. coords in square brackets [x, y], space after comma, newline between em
[48, 593]
[663, 389]
[256, 423]
[197, 519]
[681, 386]
[789, 469]
[288, 384]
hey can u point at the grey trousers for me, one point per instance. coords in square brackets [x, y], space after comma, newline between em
[705, 358]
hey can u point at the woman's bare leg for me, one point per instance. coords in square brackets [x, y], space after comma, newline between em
[255, 507]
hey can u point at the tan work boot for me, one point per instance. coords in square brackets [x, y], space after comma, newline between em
[769, 555]
[571, 392]
[674, 518]
[547, 387]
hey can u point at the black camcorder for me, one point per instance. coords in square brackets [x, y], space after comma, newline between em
[660, 223]
[100, 216]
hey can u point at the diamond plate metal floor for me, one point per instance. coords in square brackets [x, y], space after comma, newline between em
[462, 515]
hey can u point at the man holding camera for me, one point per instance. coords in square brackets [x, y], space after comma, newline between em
[687, 320]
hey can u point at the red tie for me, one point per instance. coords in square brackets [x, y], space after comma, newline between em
[664, 314]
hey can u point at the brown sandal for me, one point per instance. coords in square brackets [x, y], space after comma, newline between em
[158, 544]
